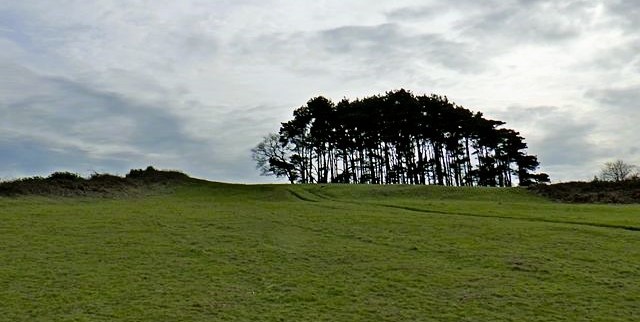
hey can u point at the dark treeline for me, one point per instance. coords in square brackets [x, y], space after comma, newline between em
[396, 138]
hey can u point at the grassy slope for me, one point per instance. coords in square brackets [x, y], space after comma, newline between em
[311, 253]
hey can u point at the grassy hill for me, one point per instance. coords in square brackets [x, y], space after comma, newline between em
[204, 251]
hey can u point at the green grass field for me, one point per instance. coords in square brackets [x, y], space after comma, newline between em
[221, 252]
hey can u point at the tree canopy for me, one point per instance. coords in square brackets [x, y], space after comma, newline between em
[396, 138]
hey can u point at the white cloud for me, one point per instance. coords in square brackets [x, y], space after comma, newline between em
[195, 84]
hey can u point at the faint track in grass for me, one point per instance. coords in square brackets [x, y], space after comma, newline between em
[320, 195]
[463, 214]
[591, 224]
[299, 196]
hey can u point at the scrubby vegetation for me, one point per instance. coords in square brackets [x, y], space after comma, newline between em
[70, 184]
[597, 191]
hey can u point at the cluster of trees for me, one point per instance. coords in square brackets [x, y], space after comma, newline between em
[396, 138]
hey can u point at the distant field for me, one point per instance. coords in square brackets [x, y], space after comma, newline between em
[218, 252]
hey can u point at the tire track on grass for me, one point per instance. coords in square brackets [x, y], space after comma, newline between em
[438, 212]
[299, 196]
[323, 232]
[466, 214]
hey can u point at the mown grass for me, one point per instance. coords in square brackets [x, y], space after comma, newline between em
[216, 252]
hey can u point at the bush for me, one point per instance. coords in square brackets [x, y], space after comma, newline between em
[71, 184]
[150, 174]
[65, 176]
[597, 191]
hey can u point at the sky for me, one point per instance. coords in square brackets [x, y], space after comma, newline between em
[106, 86]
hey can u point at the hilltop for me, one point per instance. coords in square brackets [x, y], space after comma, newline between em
[151, 180]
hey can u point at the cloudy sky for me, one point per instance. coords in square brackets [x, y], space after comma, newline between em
[107, 86]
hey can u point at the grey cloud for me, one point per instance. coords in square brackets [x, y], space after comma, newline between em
[71, 119]
[561, 140]
[236, 133]
[566, 144]
[530, 21]
[61, 124]
[514, 21]
[573, 147]
[369, 50]
[109, 35]
[619, 108]
[360, 51]
[625, 99]
[14, 27]
[484, 30]
[617, 58]
[626, 13]
[619, 113]
[24, 29]
[386, 43]
[415, 13]
[21, 157]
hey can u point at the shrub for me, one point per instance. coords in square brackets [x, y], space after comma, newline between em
[150, 174]
[65, 176]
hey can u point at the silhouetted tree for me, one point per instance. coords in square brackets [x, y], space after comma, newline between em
[274, 158]
[399, 138]
[617, 171]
